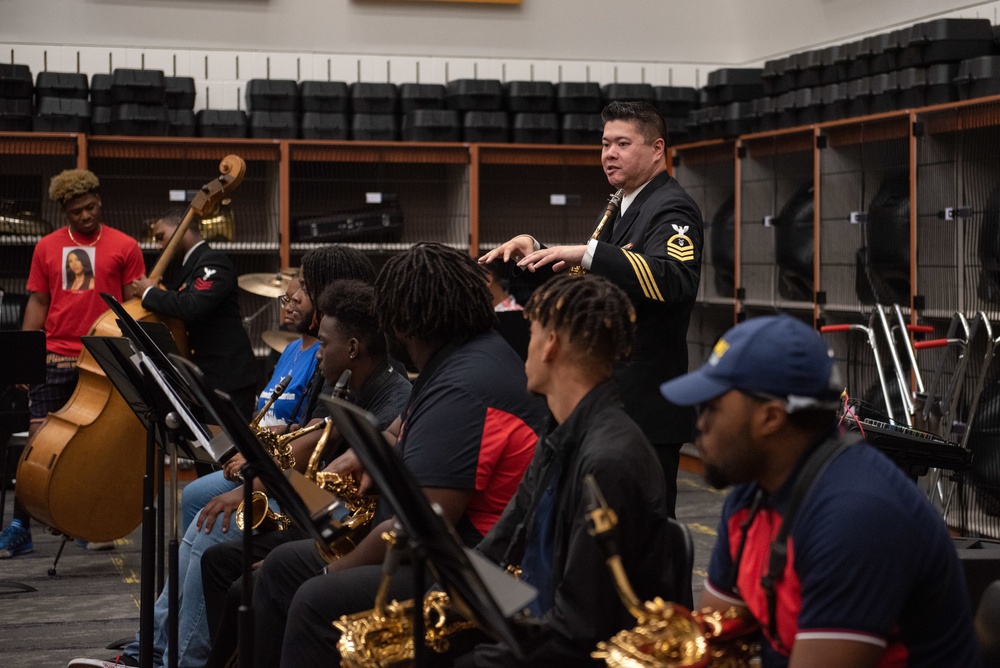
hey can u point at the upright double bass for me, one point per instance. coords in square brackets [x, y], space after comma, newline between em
[82, 472]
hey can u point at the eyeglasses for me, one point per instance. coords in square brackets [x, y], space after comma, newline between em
[284, 301]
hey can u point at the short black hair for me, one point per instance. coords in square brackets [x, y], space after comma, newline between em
[499, 270]
[322, 266]
[174, 215]
[350, 302]
[595, 314]
[433, 293]
[648, 121]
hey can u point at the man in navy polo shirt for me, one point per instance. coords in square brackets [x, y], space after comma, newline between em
[871, 576]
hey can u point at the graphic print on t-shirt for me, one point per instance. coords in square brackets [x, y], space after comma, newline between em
[78, 268]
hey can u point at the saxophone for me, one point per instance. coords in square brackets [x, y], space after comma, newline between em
[383, 637]
[362, 506]
[280, 450]
[613, 204]
[667, 635]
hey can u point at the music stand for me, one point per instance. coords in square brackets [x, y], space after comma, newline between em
[480, 590]
[317, 511]
[25, 363]
[158, 395]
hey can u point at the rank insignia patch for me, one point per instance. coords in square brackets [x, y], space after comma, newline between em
[679, 246]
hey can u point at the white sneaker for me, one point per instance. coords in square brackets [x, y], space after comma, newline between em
[96, 663]
[100, 547]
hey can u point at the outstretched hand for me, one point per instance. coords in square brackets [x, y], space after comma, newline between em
[559, 257]
[516, 248]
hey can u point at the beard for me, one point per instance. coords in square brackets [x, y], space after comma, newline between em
[398, 352]
[714, 476]
[307, 325]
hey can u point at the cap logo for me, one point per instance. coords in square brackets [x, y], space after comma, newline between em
[718, 351]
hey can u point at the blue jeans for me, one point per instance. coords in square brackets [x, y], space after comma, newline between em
[193, 641]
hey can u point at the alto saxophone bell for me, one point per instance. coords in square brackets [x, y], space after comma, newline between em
[262, 518]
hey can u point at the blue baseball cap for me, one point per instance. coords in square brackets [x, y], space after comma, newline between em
[777, 356]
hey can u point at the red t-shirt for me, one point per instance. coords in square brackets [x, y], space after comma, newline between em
[74, 276]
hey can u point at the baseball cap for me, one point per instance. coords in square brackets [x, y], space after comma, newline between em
[777, 356]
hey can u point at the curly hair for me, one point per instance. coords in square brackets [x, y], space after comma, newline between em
[647, 120]
[595, 314]
[433, 293]
[323, 266]
[72, 183]
[350, 302]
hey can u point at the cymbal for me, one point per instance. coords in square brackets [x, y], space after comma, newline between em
[265, 285]
[277, 339]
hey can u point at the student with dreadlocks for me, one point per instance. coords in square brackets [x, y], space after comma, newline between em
[467, 435]
[581, 326]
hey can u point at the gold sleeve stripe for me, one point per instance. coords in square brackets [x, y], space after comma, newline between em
[681, 256]
[644, 275]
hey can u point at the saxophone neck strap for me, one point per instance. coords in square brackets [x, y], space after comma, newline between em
[817, 461]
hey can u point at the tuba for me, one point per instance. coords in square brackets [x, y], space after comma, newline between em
[613, 204]
[668, 635]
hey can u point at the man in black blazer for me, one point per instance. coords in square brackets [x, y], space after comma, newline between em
[651, 249]
[200, 289]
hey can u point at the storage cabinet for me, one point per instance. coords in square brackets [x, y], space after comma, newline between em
[777, 205]
[469, 196]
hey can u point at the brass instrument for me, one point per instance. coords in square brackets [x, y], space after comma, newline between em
[383, 637]
[280, 449]
[667, 635]
[362, 506]
[261, 517]
[613, 204]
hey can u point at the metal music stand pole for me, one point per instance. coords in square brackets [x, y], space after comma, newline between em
[148, 564]
[161, 519]
[245, 615]
[173, 424]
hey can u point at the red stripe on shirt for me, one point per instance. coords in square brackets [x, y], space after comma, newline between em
[505, 450]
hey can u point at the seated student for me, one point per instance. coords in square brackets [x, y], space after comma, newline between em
[467, 435]
[209, 502]
[298, 361]
[350, 339]
[871, 576]
[581, 326]
[499, 286]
